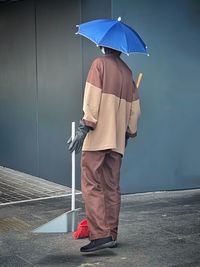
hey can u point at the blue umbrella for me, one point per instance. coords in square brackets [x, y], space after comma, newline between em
[114, 34]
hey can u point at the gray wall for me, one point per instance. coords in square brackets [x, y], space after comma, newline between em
[59, 84]
[18, 96]
[165, 155]
[43, 69]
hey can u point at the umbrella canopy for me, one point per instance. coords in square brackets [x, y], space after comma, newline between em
[114, 34]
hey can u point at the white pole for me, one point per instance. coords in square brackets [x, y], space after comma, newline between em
[73, 170]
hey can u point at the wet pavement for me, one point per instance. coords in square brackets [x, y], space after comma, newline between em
[156, 229]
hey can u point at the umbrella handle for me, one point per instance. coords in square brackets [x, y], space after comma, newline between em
[73, 170]
[139, 80]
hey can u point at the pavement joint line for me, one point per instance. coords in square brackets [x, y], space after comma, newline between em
[37, 199]
[27, 193]
[35, 185]
[46, 185]
[8, 196]
[33, 189]
[18, 187]
[31, 179]
[25, 260]
[19, 191]
[27, 176]
[181, 191]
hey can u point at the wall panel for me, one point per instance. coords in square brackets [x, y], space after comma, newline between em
[165, 155]
[18, 122]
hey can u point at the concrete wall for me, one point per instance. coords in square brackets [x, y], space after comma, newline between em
[43, 69]
[18, 87]
[165, 155]
[43, 66]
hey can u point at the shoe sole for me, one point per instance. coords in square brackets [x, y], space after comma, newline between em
[114, 245]
[106, 245]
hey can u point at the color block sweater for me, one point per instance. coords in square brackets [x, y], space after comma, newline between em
[111, 104]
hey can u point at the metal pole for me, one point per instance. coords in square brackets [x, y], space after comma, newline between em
[73, 170]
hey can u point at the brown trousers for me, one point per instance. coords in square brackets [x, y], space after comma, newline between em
[100, 171]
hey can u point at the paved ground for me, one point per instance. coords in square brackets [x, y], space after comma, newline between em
[156, 229]
[21, 187]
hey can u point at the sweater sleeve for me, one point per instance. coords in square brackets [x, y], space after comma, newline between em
[92, 94]
[134, 114]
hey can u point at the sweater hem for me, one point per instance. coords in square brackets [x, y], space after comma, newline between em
[103, 148]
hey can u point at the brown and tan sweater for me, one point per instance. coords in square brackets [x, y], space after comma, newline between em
[111, 104]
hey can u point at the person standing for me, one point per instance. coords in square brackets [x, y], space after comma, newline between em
[111, 109]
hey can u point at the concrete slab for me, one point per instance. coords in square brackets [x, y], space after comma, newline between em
[156, 229]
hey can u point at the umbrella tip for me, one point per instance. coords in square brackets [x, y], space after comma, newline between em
[119, 18]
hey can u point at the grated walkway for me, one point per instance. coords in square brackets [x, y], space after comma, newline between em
[18, 187]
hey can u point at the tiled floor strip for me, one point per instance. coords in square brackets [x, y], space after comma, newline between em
[17, 187]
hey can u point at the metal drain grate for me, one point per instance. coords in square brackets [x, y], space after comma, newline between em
[13, 223]
[17, 187]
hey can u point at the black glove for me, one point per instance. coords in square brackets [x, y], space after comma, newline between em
[80, 135]
[127, 137]
[126, 140]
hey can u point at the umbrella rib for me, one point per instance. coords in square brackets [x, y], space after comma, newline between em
[88, 38]
[107, 32]
[127, 44]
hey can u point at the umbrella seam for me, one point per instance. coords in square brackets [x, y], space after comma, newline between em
[108, 31]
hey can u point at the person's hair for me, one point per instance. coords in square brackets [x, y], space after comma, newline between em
[111, 51]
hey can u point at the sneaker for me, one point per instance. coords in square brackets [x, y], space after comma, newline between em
[97, 244]
[114, 245]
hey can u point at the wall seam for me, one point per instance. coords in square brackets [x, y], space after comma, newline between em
[37, 100]
[111, 9]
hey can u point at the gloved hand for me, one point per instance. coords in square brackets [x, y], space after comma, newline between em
[126, 140]
[80, 135]
[127, 137]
